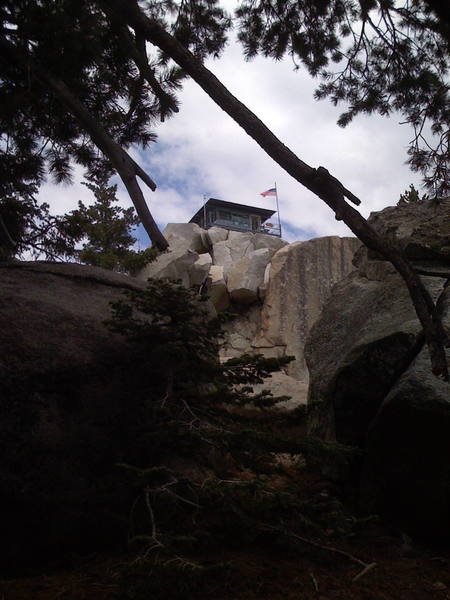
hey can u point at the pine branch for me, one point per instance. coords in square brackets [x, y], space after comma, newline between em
[136, 49]
[125, 166]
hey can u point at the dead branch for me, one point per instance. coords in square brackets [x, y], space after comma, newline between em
[367, 566]
[314, 580]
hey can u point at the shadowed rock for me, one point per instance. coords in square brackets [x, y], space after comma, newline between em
[371, 382]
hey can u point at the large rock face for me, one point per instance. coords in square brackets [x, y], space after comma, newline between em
[52, 317]
[422, 229]
[71, 391]
[371, 381]
[300, 280]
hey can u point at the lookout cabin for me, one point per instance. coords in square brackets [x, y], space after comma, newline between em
[237, 217]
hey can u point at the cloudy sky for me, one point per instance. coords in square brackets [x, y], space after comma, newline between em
[201, 152]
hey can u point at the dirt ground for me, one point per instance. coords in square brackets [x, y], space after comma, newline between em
[402, 571]
[377, 563]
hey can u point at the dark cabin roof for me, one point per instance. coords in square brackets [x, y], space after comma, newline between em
[264, 213]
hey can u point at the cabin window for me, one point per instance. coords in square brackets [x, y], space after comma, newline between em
[224, 215]
[239, 220]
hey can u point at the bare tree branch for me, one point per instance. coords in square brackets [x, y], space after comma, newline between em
[6, 236]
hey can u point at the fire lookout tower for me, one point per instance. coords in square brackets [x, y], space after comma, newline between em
[236, 217]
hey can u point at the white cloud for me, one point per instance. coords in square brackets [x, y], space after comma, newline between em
[202, 151]
[63, 198]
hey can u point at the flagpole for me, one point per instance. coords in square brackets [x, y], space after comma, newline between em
[204, 211]
[278, 208]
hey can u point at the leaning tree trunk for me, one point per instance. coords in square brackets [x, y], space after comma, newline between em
[317, 180]
[125, 166]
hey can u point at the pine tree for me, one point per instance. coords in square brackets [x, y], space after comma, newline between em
[411, 196]
[29, 230]
[108, 232]
[204, 478]
[103, 229]
[75, 81]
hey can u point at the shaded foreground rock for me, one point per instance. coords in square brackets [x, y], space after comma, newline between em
[406, 473]
[366, 337]
[73, 394]
[371, 381]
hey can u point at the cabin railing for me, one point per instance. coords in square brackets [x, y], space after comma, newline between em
[264, 228]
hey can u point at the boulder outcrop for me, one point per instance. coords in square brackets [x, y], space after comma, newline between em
[176, 265]
[296, 284]
[71, 391]
[276, 289]
[187, 236]
[246, 276]
[199, 271]
[217, 288]
[301, 277]
[371, 382]
[194, 255]
[421, 229]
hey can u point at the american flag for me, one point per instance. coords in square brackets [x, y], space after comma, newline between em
[271, 192]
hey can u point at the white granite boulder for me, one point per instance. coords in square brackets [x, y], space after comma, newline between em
[240, 244]
[221, 253]
[200, 269]
[247, 275]
[217, 288]
[227, 252]
[264, 240]
[175, 265]
[187, 236]
[216, 234]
